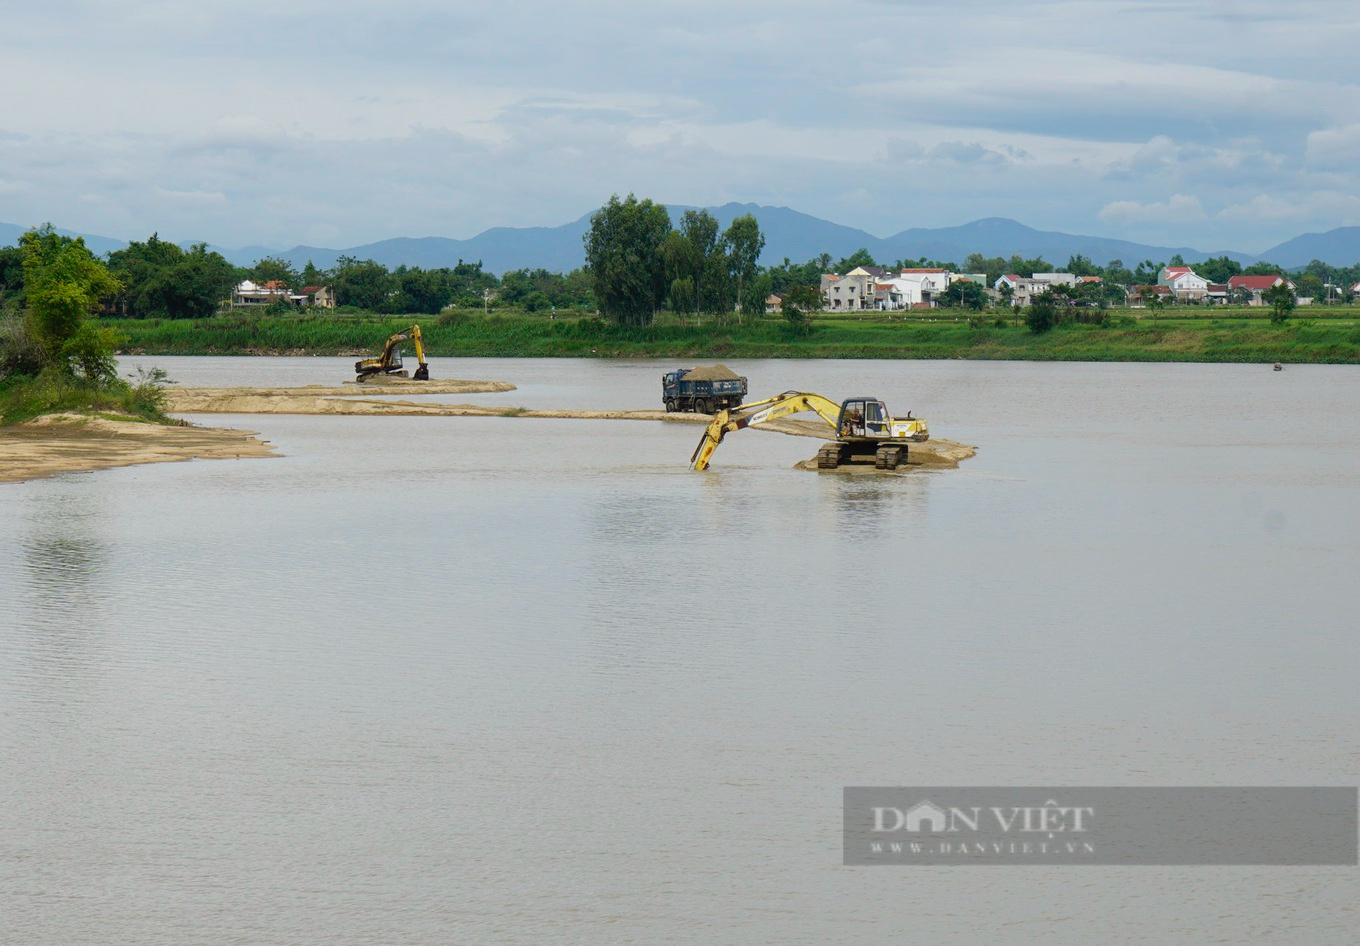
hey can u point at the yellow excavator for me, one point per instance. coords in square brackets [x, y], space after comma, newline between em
[861, 425]
[389, 362]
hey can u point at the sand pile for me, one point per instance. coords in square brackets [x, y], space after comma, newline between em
[712, 373]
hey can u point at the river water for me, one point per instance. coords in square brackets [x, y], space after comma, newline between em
[430, 680]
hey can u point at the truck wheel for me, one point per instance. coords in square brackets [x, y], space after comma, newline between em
[700, 406]
[670, 405]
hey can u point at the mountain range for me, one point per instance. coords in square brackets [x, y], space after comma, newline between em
[788, 234]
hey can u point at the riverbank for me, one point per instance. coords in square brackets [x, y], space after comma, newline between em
[76, 443]
[1236, 337]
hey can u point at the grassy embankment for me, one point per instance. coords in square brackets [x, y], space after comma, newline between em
[24, 397]
[1232, 336]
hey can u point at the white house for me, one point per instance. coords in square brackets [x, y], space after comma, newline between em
[248, 294]
[1022, 288]
[899, 293]
[1185, 284]
[854, 291]
[1056, 279]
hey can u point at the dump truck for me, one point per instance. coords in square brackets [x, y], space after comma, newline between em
[863, 429]
[702, 390]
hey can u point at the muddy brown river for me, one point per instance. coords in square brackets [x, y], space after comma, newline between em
[427, 679]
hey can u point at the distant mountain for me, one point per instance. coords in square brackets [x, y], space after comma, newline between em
[788, 234]
[997, 236]
[98, 245]
[1339, 247]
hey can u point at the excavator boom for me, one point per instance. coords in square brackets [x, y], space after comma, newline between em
[756, 412]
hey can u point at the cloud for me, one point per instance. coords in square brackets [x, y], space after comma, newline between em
[1334, 149]
[975, 153]
[191, 198]
[1180, 209]
[1344, 208]
[283, 121]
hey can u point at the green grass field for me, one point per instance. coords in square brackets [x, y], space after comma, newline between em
[1216, 336]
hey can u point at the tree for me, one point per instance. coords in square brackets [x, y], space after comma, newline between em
[311, 276]
[362, 283]
[964, 293]
[1080, 265]
[1219, 269]
[861, 257]
[1117, 274]
[1043, 312]
[1281, 300]
[1310, 286]
[163, 281]
[1145, 274]
[64, 283]
[623, 252]
[683, 268]
[702, 261]
[273, 269]
[744, 241]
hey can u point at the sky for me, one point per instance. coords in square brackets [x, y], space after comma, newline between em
[1212, 124]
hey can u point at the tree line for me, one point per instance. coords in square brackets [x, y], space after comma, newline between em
[637, 264]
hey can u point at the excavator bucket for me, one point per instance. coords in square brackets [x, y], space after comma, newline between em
[422, 373]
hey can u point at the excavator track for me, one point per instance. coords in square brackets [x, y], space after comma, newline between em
[890, 457]
[829, 456]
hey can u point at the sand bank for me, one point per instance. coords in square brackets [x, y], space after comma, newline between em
[71, 443]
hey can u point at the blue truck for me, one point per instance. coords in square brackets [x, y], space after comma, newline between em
[702, 390]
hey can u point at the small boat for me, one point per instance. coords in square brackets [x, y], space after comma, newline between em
[1278, 366]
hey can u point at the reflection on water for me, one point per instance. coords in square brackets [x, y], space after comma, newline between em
[518, 680]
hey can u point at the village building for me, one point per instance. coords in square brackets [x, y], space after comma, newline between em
[248, 294]
[1249, 288]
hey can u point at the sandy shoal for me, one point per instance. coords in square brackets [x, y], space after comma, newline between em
[72, 443]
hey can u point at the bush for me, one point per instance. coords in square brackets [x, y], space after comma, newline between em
[20, 352]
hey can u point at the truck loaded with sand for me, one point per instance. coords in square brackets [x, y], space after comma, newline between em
[700, 390]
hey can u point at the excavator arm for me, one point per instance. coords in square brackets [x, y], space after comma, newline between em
[422, 372]
[773, 408]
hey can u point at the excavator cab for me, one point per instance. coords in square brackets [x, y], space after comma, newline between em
[863, 417]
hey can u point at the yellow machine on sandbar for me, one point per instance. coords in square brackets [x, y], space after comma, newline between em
[388, 363]
[861, 425]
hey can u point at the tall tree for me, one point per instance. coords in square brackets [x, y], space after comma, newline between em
[623, 251]
[709, 265]
[744, 242]
[684, 267]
